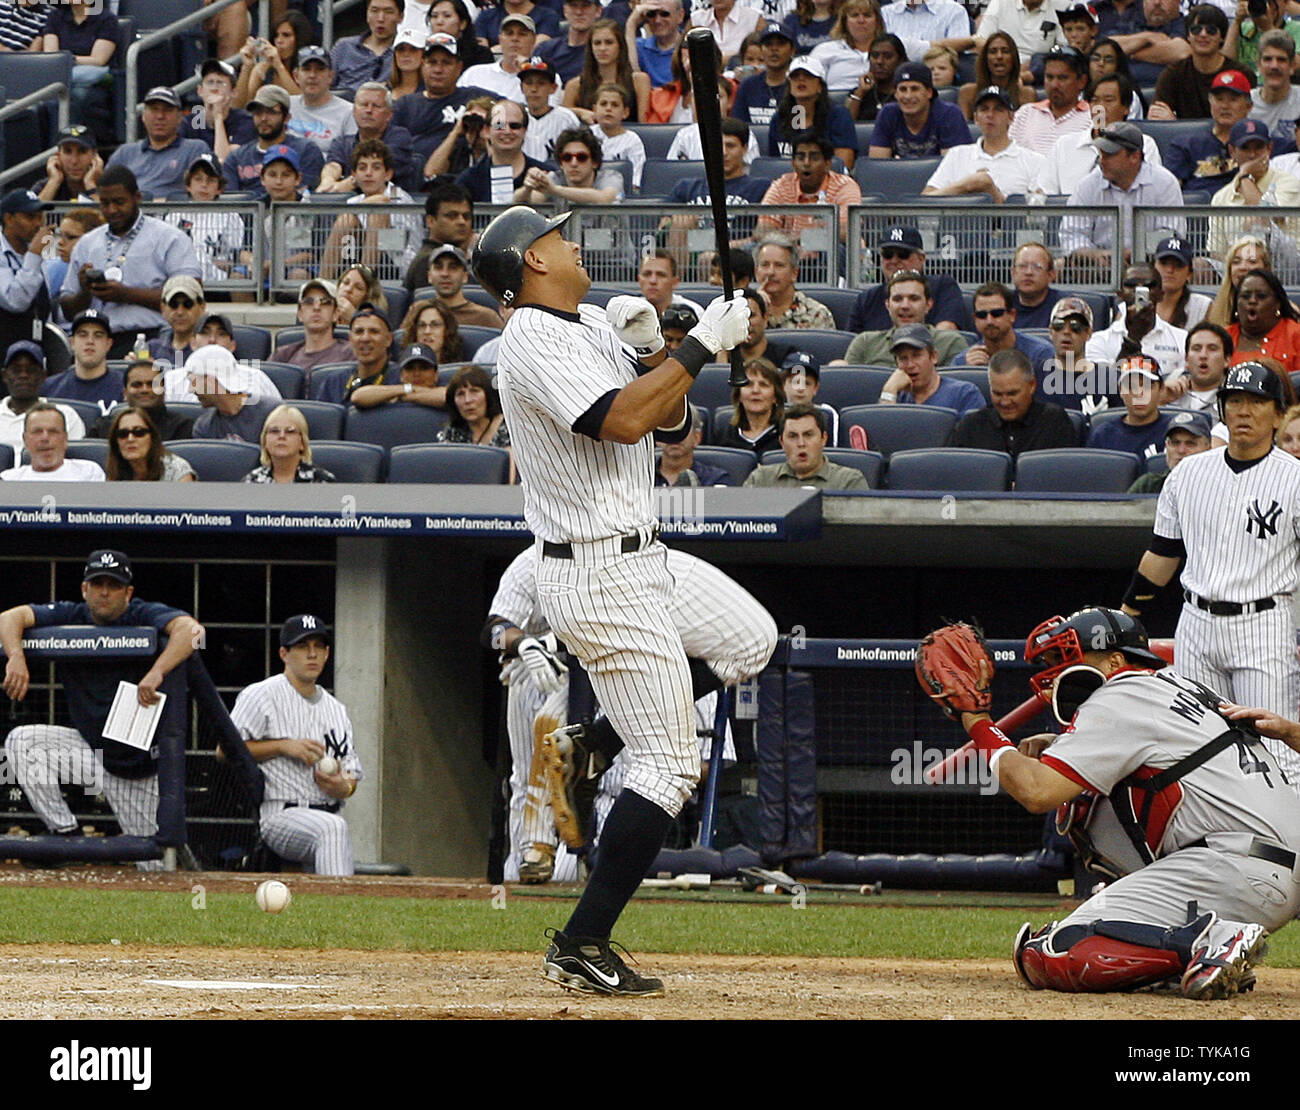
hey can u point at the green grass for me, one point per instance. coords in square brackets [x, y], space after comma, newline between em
[516, 922]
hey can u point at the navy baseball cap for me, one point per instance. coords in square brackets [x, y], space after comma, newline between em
[995, 92]
[368, 309]
[25, 347]
[912, 335]
[900, 236]
[215, 65]
[22, 200]
[418, 352]
[209, 163]
[303, 627]
[107, 563]
[538, 67]
[1197, 423]
[1174, 247]
[77, 133]
[91, 316]
[1248, 131]
[1078, 11]
[163, 94]
[914, 71]
[775, 30]
[802, 362]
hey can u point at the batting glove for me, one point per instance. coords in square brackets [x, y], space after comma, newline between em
[725, 324]
[636, 323]
[544, 670]
[512, 670]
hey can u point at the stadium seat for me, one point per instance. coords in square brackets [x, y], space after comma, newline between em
[6, 456]
[1167, 132]
[900, 178]
[252, 342]
[712, 387]
[825, 344]
[449, 463]
[350, 462]
[87, 410]
[736, 461]
[290, 380]
[839, 301]
[770, 168]
[117, 69]
[602, 294]
[978, 376]
[324, 418]
[950, 470]
[190, 409]
[168, 63]
[843, 386]
[871, 464]
[659, 175]
[58, 353]
[1102, 305]
[393, 425]
[398, 300]
[473, 336]
[217, 460]
[22, 74]
[1080, 422]
[1076, 470]
[891, 428]
[92, 450]
[656, 138]
[720, 421]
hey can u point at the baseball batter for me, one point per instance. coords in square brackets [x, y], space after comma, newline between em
[42, 755]
[291, 724]
[581, 407]
[724, 630]
[1196, 812]
[1234, 513]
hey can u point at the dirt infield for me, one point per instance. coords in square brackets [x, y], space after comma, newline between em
[137, 981]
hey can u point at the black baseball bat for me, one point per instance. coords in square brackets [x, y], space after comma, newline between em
[702, 51]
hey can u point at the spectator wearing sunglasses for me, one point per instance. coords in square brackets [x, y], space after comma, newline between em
[1071, 380]
[498, 177]
[183, 307]
[580, 178]
[901, 248]
[995, 320]
[1183, 90]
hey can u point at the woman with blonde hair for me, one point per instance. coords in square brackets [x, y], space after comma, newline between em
[1288, 432]
[358, 285]
[847, 53]
[286, 450]
[756, 409]
[1250, 252]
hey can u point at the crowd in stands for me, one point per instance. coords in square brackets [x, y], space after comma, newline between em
[452, 105]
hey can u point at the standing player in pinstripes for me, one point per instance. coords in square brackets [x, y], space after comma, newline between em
[1234, 512]
[727, 634]
[290, 724]
[581, 409]
[130, 776]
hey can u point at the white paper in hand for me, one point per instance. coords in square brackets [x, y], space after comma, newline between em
[131, 723]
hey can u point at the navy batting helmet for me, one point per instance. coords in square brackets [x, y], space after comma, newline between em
[1061, 642]
[498, 259]
[1254, 378]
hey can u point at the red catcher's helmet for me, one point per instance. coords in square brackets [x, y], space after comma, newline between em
[1060, 642]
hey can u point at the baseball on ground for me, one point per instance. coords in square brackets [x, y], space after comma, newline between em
[328, 765]
[272, 896]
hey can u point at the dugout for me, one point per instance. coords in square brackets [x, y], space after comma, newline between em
[405, 574]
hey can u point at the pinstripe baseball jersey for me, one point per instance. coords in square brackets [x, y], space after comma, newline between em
[1241, 529]
[1142, 722]
[273, 710]
[516, 596]
[552, 366]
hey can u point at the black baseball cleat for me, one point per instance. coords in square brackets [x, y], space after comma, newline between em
[573, 773]
[591, 966]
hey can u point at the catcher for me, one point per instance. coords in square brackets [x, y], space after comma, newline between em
[1181, 806]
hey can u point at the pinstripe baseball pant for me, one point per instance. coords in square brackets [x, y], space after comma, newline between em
[38, 752]
[312, 836]
[1249, 658]
[612, 611]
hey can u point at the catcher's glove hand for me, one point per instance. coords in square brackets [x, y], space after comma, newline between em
[955, 668]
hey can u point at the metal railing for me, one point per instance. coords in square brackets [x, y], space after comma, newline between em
[55, 90]
[164, 34]
[1210, 232]
[327, 12]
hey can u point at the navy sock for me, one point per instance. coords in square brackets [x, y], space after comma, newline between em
[634, 832]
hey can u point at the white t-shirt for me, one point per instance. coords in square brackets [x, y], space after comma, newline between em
[686, 145]
[72, 470]
[11, 424]
[322, 125]
[626, 147]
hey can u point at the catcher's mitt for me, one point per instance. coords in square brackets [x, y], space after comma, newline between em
[955, 668]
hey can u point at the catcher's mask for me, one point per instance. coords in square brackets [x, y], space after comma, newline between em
[1072, 687]
[1060, 642]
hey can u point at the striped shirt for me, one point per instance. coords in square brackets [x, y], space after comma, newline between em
[21, 23]
[552, 367]
[1241, 529]
[274, 710]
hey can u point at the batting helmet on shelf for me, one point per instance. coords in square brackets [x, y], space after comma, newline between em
[498, 259]
[1254, 378]
[1060, 642]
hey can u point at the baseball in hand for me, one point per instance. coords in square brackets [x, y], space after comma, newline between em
[272, 896]
[328, 765]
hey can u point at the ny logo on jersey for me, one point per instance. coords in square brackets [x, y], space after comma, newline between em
[1263, 519]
